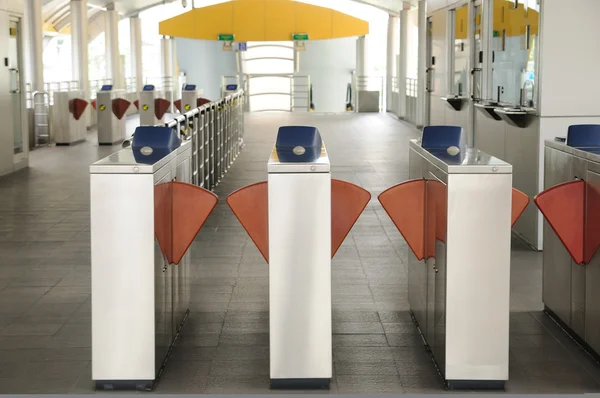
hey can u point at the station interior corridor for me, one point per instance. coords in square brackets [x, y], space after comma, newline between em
[45, 310]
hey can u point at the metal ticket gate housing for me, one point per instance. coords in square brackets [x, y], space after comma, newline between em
[68, 123]
[111, 107]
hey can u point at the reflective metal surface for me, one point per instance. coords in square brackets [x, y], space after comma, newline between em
[320, 165]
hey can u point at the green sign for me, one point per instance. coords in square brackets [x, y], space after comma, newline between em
[226, 37]
[300, 36]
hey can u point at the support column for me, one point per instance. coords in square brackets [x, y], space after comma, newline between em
[422, 103]
[392, 47]
[402, 65]
[35, 49]
[113, 58]
[79, 43]
[135, 24]
[167, 67]
[361, 56]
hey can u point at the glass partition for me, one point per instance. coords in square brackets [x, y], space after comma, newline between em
[515, 39]
[460, 57]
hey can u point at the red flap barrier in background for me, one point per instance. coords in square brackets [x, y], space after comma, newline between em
[251, 207]
[201, 101]
[180, 210]
[77, 107]
[160, 107]
[178, 105]
[137, 104]
[563, 206]
[405, 205]
[94, 104]
[519, 204]
[119, 107]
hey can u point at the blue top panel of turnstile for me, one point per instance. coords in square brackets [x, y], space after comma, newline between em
[441, 137]
[583, 135]
[106, 87]
[152, 143]
[148, 87]
[298, 144]
[231, 87]
[189, 87]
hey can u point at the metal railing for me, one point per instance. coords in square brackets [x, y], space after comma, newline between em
[41, 118]
[299, 91]
[368, 83]
[217, 133]
[216, 130]
[412, 92]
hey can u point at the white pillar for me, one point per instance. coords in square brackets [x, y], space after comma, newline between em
[113, 58]
[422, 74]
[361, 56]
[79, 43]
[392, 47]
[402, 65]
[35, 37]
[167, 68]
[135, 26]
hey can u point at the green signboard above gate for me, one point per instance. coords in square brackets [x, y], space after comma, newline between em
[226, 37]
[300, 36]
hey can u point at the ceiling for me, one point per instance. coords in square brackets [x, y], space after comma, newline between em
[56, 13]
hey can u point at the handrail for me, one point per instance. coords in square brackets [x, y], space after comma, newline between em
[216, 130]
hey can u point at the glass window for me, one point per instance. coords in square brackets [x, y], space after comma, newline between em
[515, 38]
[460, 58]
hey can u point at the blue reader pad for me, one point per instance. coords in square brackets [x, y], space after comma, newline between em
[152, 143]
[298, 144]
[441, 137]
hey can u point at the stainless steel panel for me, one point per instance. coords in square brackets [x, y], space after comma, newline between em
[320, 165]
[556, 289]
[579, 171]
[592, 278]
[417, 270]
[490, 135]
[522, 151]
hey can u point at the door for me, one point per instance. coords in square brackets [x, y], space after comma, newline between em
[16, 103]
[429, 72]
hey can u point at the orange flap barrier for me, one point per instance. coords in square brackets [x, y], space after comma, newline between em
[202, 101]
[180, 211]
[348, 201]
[519, 204]
[160, 107]
[405, 205]
[178, 105]
[77, 107]
[563, 206]
[119, 107]
[137, 104]
[251, 207]
[94, 104]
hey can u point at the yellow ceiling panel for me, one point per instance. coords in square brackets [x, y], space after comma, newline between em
[314, 20]
[280, 20]
[249, 20]
[213, 20]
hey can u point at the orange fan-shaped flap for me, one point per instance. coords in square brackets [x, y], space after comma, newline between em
[519, 204]
[94, 104]
[347, 203]
[77, 107]
[202, 101]
[160, 107]
[592, 220]
[251, 207]
[191, 207]
[563, 206]
[137, 104]
[405, 204]
[178, 105]
[119, 107]
[163, 218]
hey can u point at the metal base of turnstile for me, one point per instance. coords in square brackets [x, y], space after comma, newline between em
[303, 384]
[141, 385]
[457, 384]
[572, 334]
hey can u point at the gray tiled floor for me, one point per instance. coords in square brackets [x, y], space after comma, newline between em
[45, 282]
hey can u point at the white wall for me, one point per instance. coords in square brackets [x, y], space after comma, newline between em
[204, 62]
[329, 64]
